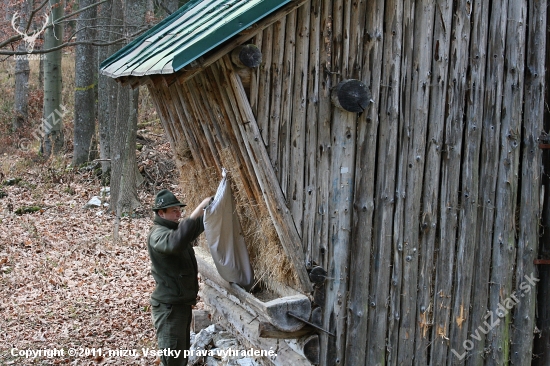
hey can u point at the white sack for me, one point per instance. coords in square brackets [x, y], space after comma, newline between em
[225, 240]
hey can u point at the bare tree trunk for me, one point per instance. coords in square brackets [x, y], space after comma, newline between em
[116, 30]
[126, 126]
[85, 76]
[128, 198]
[41, 72]
[52, 122]
[105, 85]
[22, 71]
[118, 142]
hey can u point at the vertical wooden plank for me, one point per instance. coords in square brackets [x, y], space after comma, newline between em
[255, 82]
[337, 42]
[363, 205]
[461, 88]
[340, 177]
[365, 60]
[297, 136]
[205, 103]
[286, 120]
[453, 120]
[171, 124]
[264, 86]
[402, 141]
[176, 127]
[504, 239]
[529, 216]
[340, 205]
[429, 220]
[313, 79]
[469, 242]
[276, 89]
[320, 253]
[354, 28]
[416, 132]
[388, 146]
[492, 100]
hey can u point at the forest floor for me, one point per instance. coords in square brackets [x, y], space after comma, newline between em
[66, 284]
[71, 294]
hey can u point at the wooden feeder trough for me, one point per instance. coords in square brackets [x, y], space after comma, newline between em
[262, 322]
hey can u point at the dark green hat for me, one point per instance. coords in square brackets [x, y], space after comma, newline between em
[165, 199]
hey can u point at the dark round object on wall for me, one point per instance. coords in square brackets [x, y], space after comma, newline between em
[248, 55]
[351, 95]
[317, 274]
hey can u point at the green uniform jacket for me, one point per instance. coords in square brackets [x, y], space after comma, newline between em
[173, 262]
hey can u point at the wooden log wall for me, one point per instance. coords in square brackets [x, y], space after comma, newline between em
[424, 209]
[429, 243]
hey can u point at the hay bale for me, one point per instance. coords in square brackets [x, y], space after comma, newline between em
[267, 256]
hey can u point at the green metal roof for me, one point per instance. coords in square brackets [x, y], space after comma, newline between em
[196, 28]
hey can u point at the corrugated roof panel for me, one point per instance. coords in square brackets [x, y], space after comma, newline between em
[193, 30]
[121, 65]
[167, 47]
[198, 31]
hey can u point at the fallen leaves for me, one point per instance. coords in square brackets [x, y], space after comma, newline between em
[65, 283]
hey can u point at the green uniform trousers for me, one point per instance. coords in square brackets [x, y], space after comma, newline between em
[173, 326]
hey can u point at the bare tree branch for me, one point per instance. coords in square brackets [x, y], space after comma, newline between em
[80, 11]
[69, 44]
[33, 13]
[19, 37]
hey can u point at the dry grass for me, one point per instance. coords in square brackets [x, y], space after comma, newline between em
[266, 253]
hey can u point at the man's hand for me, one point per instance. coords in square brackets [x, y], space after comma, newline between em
[198, 211]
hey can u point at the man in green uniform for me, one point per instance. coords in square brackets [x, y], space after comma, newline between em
[174, 268]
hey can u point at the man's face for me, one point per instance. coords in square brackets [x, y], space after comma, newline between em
[171, 213]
